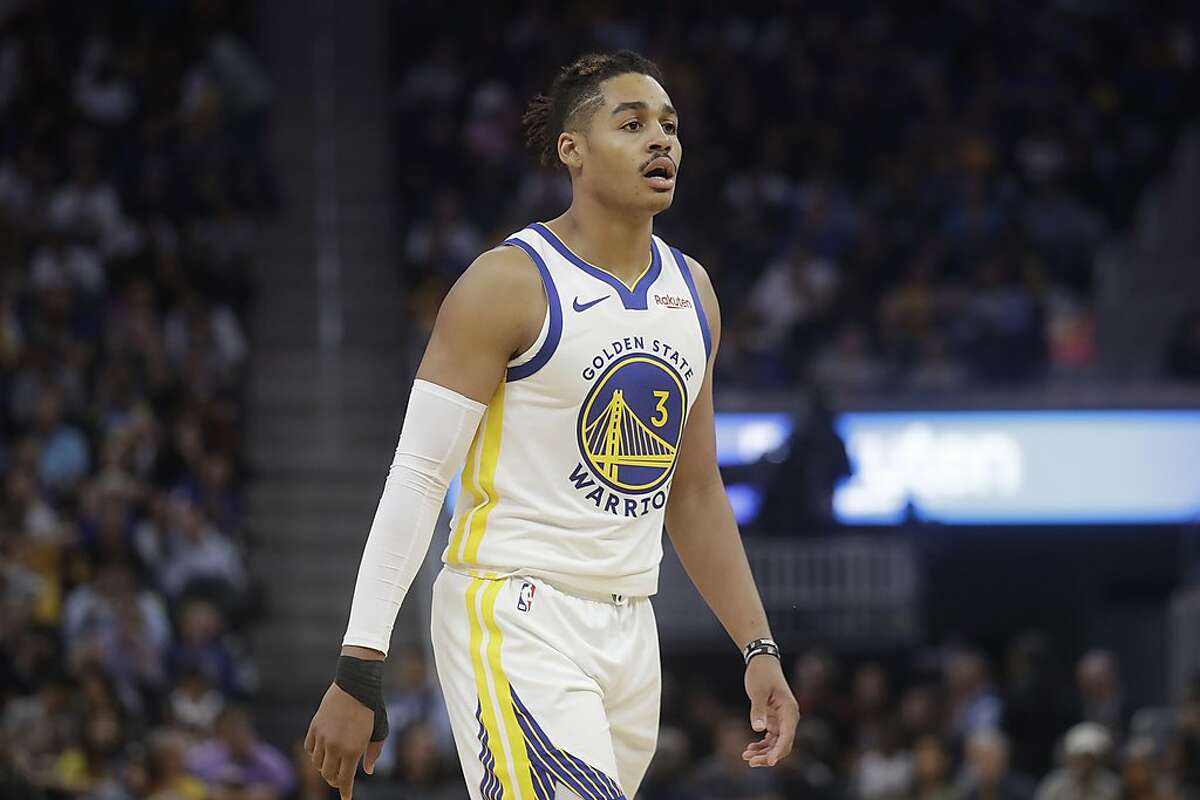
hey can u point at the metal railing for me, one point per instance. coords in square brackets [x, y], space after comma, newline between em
[852, 592]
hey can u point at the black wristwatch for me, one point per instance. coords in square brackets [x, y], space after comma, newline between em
[761, 647]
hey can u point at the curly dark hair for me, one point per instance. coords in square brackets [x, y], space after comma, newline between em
[576, 89]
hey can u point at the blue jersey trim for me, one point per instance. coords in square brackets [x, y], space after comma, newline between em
[691, 284]
[555, 307]
[633, 299]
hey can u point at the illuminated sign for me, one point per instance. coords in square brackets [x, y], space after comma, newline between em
[1015, 467]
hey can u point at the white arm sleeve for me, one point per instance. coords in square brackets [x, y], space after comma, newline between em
[438, 428]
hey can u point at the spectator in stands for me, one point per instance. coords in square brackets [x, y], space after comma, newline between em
[1100, 695]
[166, 779]
[40, 726]
[816, 676]
[413, 696]
[97, 690]
[848, 365]
[884, 770]
[975, 705]
[445, 242]
[198, 557]
[935, 369]
[20, 587]
[812, 769]
[667, 776]
[422, 770]
[195, 703]
[931, 770]
[987, 775]
[64, 456]
[239, 763]
[1185, 746]
[123, 628]
[871, 706]
[1036, 712]
[920, 712]
[1004, 324]
[724, 775]
[1142, 776]
[1085, 747]
[785, 308]
[202, 647]
[799, 491]
[95, 768]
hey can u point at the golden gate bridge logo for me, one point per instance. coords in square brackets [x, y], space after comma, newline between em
[631, 423]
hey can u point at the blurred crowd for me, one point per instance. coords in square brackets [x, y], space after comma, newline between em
[883, 200]
[131, 180]
[886, 196]
[946, 726]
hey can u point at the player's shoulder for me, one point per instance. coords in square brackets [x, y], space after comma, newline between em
[693, 266]
[501, 274]
[499, 296]
[704, 285]
[699, 273]
[504, 264]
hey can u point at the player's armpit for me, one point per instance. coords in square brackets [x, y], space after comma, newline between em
[494, 311]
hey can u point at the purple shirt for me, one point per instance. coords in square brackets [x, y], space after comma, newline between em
[212, 763]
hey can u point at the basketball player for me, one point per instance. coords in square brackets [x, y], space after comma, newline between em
[570, 370]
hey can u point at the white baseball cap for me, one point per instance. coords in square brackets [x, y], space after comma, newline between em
[1087, 738]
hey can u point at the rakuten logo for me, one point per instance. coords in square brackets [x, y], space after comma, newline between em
[672, 302]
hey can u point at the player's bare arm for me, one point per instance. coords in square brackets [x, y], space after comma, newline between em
[702, 527]
[493, 312]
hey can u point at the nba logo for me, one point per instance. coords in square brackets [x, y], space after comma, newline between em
[525, 597]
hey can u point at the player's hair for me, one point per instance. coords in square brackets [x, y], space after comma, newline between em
[575, 90]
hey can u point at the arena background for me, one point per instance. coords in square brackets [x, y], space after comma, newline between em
[959, 388]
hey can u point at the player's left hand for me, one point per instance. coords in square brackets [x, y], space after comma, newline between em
[773, 710]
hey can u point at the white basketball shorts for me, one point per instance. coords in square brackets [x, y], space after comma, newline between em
[551, 695]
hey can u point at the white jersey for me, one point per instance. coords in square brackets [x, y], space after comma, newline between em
[568, 475]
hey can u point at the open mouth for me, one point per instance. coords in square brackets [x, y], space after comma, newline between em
[660, 173]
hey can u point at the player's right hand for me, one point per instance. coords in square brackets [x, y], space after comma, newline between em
[338, 736]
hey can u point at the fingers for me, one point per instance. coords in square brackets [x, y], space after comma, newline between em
[373, 751]
[781, 732]
[310, 741]
[758, 748]
[758, 714]
[760, 752]
[345, 777]
[330, 769]
[789, 715]
[318, 753]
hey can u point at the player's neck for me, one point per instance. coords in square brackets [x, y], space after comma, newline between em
[617, 244]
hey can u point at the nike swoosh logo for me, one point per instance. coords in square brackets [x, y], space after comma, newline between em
[585, 306]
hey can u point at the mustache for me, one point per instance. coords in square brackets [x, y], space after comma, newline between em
[646, 163]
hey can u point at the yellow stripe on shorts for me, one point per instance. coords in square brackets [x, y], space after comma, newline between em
[499, 718]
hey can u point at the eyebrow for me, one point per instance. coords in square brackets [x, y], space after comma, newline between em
[638, 105]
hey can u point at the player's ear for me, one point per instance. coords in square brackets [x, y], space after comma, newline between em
[569, 149]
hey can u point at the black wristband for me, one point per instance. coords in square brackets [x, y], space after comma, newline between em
[761, 647]
[363, 680]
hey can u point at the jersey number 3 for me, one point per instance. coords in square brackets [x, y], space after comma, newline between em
[660, 416]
